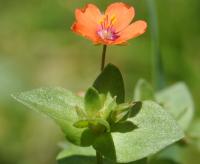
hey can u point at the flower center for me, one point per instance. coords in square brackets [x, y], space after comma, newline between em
[106, 30]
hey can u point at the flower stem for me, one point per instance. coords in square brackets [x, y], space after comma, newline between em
[103, 57]
[99, 158]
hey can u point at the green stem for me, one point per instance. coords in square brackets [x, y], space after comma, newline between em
[157, 63]
[103, 57]
[99, 158]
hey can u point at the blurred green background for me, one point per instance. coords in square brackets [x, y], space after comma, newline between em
[38, 49]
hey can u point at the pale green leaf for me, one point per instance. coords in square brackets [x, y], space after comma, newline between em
[81, 124]
[143, 91]
[92, 101]
[178, 154]
[71, 149]
[59, 104]
[108, 106]
[155, 130]
[177, 100]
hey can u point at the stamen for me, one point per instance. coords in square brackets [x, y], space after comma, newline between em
[107, 32]
[113, 19]
[100, 21]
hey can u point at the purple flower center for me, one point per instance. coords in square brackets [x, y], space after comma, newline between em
[106, 30]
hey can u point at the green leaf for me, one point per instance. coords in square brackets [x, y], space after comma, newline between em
[93, 123]
[82, 137]
[99, 126]
[137, 105]
[104, 123]
[143, 91]
[155, 130]
[81, 124]
[78, 155]
[178, 154]
[108, 106]
[92, 101]
[71, 150]
[121, 112]
[177, 100]
[163, 161]
[110, 80]
[78, 159]
[119, 115]
[59, 104]
[81, 113]
[170, 155]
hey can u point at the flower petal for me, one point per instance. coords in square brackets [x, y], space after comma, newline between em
[85, 31]
[93, 12]
[123, 14]
[135, 29]
[86, 22]
[90, 13]
[83, 19]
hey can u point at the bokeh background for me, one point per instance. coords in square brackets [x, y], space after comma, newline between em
[38, 49]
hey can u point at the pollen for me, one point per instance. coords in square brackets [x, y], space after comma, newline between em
[113, 19]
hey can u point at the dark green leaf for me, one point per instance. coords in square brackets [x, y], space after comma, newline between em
[163, 161]
[135, 109]
[99, 126]
[78, 159]
[110, 80]
[104, 123]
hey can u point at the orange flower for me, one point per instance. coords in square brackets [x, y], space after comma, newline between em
[111, 28]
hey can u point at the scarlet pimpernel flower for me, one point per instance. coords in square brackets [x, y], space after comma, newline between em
[110, 28]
